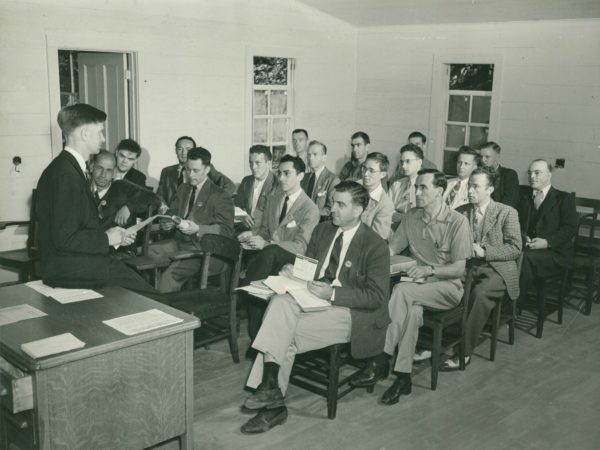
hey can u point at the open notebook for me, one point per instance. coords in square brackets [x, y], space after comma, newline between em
[296, 287]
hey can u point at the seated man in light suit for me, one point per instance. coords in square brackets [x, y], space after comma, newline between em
[378, 214]
[287, 223]
[353, 274]
[440, 241]
[205, 208]
[496, 247]
[402, 191]
[255, 189]
[457, 191]
[319, 183]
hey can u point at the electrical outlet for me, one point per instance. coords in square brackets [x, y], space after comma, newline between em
[560, 163]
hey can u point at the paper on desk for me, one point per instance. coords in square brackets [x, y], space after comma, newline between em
[12, 314]
[52, 345]
[63, 295]
[305, 267]
[142, 321]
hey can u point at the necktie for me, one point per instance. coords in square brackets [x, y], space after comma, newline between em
[97, 198]
[88, 178]
[191, 202]
[478, 220]
[538, 198]
[180, 176]
[284, 209]
[334, 259]
[453, 193]
[311, 184]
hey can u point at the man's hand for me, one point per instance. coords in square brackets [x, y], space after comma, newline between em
[243, 237]
[257, 242]
[537, 244]
[248, 221]
[419, 271]
[128, 239]
[321, 289]
[478, 250]
[115, 236]
[122, 216]
[188, 227]
[287, 271]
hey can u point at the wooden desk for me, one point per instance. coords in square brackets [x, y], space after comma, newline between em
[118, 392]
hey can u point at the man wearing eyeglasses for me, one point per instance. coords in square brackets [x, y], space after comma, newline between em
[378, 214]
[548, 224]
[403, 190]
[420, 140]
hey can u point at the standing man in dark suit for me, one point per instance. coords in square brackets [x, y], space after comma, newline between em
[506, 187]
[319, 183]
[127, 153]
[548, 224]
[171, 177]
[496, 247]
[255, 189]
[353, 275]
[74, 249]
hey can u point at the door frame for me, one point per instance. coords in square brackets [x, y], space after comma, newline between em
[87, 43]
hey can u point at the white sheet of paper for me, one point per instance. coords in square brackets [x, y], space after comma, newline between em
[239, 212]
[305, 267]
[265, 294]
[308, 301]
[400, 263]
[281, 284]
[12, 314]
[63, 295]
[52, 345]
[143, 321]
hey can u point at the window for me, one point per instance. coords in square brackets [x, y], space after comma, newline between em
[272, 104]
[68, 71]
[469, 100]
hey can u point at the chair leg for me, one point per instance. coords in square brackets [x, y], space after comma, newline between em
[496, 313]
[435, 354]
[233, 330]
[333, 382]
[512, 322]
[590, 279]
[561, 296]
[541, 306]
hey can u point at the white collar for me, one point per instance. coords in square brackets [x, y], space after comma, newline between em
[544, 191]
[292, 198]
[376, 193]
[483, 208]
[78, 158]
[348, 234]
[318, 172]
[258, 183]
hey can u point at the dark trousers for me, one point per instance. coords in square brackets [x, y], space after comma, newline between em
[487, 290]
[121, 275]
[268, 261]
[537, 264]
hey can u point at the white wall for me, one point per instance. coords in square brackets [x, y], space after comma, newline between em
[550, 90]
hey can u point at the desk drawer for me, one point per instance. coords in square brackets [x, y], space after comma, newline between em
[19, 430]
[16, 390]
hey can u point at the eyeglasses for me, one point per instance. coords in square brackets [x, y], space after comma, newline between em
[537, 173]
[371, 171]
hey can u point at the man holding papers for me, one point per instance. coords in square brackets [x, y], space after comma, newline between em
[352, 275]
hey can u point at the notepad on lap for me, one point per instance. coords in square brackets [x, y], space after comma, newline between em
[298, 290]
[52, 345]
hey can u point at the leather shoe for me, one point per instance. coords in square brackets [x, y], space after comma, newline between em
[265, 398]
[453, 364]
[371, 374]
[398, 388]
[251, 353]
[265, 420]
[423, 355]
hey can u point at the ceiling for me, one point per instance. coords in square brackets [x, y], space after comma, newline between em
[364, 13]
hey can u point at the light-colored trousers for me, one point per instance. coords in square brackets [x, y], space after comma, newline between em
[286, 331]
[406, 311]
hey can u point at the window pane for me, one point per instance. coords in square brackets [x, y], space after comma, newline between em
[280, 130]
[278, 152]
[478, 135]
[270, 70]
[260, 103]
[458, 108]
[261, 131]
[471, 77]
[450, 157]
[278, 102]
[481, 109]
[455, 136]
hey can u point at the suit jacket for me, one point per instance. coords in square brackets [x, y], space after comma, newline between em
[501, 239]
[506, 187]
[293, 233]
[73, 246]
[123, 193]
[167, 184]
[556, 221]
[212, 210]
[243, 196]
[461, 198]
[378, 215]
[365, 279]
[322, 194]
[351, 171]
[136, 177]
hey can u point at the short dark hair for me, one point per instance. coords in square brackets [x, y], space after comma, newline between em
[439, 179]
[72, 117]
[299, 165]
[360, 195]
[261, 150]
[543, 160]
[300, 130]
[381, 159]
[491, 145]
[418, 134]
[201, 154]
[323, 146]
[488, 172]
[129, 145]
[466, 150]
[412, 148]
[185, 137]
[363, 135]
[103, 154]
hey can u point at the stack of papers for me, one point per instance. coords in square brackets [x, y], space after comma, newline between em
[298, 290]
[52, 345]
[62, 295]
[140, 322]
[399, 263]
[12, 314]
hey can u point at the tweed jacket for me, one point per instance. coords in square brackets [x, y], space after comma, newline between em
[378, 215]
[322, 194]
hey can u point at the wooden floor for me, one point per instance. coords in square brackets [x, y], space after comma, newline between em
[538, 394]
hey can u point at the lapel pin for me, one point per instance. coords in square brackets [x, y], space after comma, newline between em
[348, 264]
[199, 204]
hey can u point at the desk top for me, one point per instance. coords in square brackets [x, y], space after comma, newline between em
[82, 319]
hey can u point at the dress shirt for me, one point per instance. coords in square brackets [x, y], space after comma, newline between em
[79, 159]
[256, 190]
[376, 193]
[544, 192]
[118, 175]
[291, 199]
[346, 239]
[102, 192]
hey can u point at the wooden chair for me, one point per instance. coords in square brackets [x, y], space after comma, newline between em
[445, 329]
[24, 260]
[216, 307]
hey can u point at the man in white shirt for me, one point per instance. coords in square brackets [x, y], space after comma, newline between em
[456, 193]
[402, 191]
[378, 214]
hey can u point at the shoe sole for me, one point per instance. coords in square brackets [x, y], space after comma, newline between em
[263, 405]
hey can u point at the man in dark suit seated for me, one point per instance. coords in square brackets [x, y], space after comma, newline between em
[74, 248]
[127, 153]
[548, 224]
[204, 208]
[171, 177]
[496, 247]
[255, 189]
[353, 275]
[319, 183]
[506, 187]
